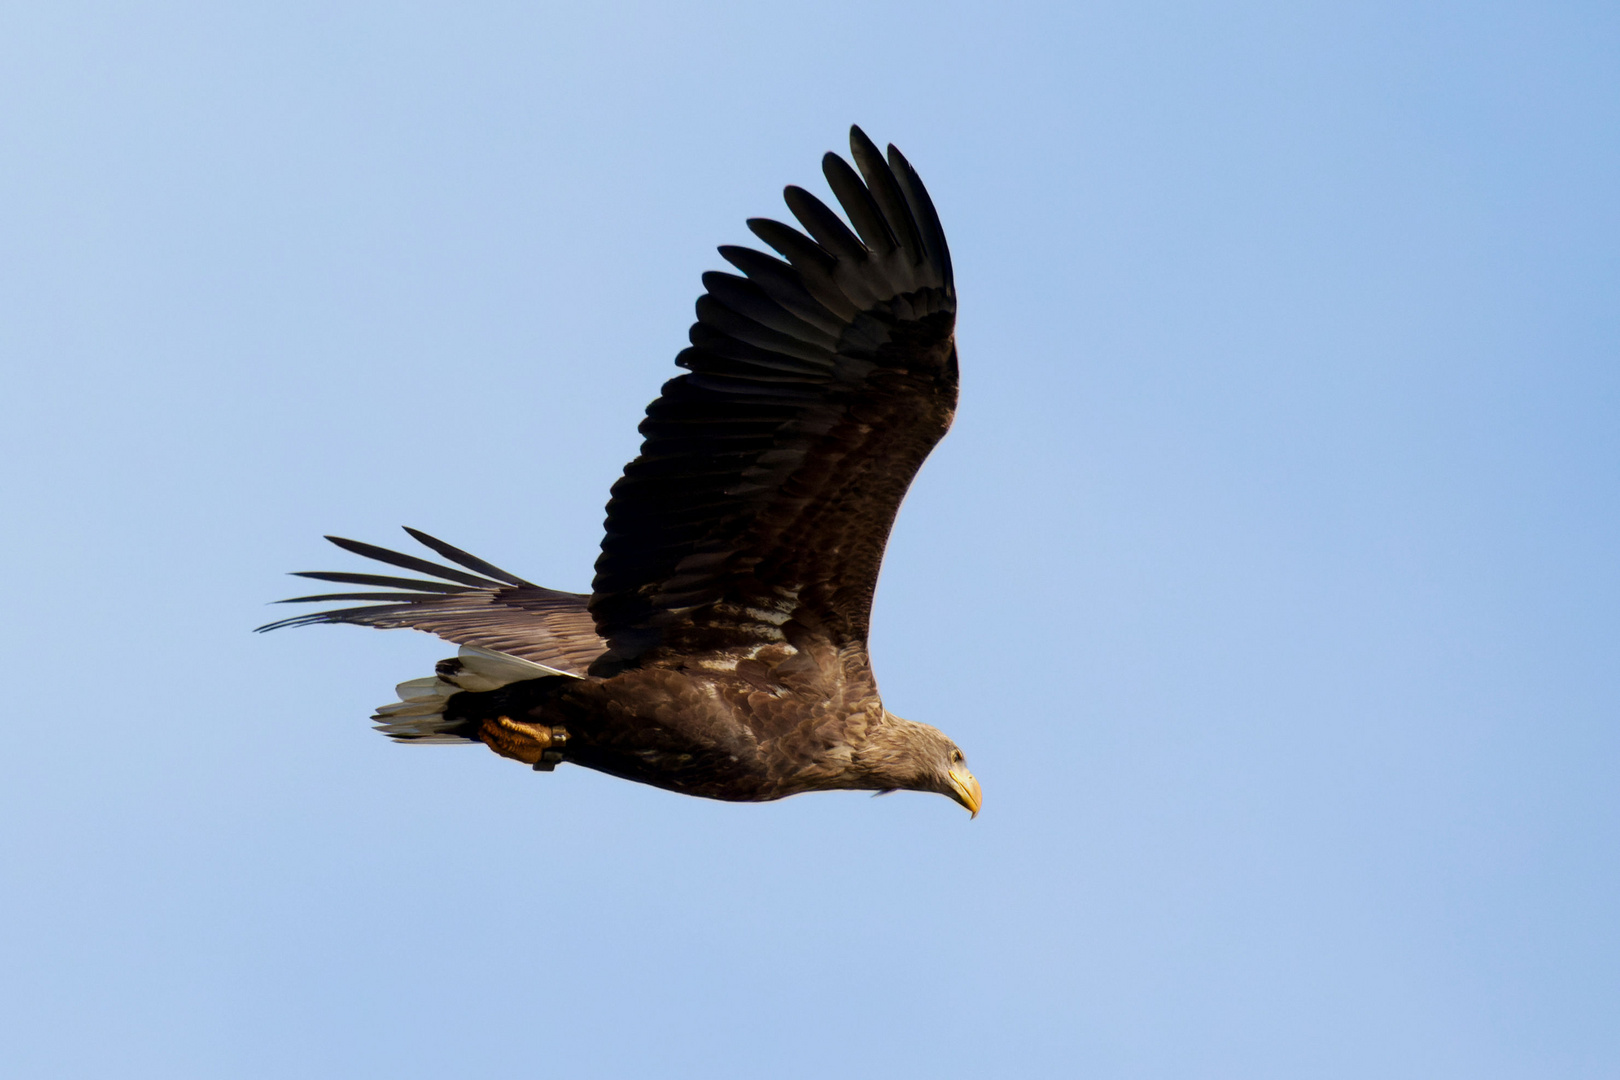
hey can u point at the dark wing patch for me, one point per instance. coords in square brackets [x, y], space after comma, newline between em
[490, 608]
[771, 474]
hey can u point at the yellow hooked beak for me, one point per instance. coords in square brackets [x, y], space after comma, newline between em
[965, 789]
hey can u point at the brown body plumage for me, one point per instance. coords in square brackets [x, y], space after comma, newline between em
[722, 652]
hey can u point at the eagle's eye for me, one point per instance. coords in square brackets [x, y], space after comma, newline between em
[956, 757]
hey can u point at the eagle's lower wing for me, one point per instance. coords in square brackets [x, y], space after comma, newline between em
[490, 609]
[770, 476]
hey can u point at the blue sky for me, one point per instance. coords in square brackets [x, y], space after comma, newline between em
[1269, 577]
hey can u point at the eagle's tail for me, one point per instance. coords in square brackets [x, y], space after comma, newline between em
[422, 713]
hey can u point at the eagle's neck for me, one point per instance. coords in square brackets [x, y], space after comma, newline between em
[896, 753]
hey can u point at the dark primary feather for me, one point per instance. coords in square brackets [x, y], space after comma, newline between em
[885, 188]
[380, 580]
[497, 611]
[471, 562]
[771, 473]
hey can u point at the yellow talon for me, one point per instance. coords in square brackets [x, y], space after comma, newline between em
[533, 744]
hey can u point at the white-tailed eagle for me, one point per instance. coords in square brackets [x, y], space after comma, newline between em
[722, 650]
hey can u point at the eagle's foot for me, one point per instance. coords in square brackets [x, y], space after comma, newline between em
[540, 745]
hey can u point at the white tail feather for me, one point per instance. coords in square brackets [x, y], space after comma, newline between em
[497, 668]
[424, 689]
[418, 715]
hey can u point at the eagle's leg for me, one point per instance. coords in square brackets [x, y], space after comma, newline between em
[540, 745]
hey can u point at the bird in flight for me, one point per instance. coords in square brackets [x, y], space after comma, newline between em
[722, 651]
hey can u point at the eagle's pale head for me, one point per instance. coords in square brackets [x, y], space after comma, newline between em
[903, 754]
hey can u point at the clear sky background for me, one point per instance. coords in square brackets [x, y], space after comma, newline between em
[1270, 577]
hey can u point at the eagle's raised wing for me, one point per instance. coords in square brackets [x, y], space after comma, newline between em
[489, 608]
[771, 474]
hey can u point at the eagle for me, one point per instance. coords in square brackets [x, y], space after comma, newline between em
[722, 651]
